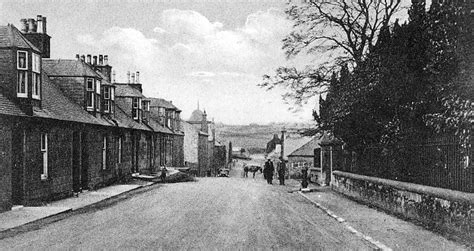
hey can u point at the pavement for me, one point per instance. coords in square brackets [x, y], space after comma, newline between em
[382, 230]
[20, 215]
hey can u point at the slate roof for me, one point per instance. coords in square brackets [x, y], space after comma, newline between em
[292, 142]
[308, 148]
[125, 121]
[159, 102]
[55, 105]
[67, 67]
[7, 107]
[10, 36]
[196, 115]
[125, 90]
[158, 128]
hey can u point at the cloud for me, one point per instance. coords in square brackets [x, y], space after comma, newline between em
[201, 74]
[159, 30]
[189, 58]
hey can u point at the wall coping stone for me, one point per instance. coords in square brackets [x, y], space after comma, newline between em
[410, 187]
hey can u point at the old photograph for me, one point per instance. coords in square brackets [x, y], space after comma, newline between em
[236, 124]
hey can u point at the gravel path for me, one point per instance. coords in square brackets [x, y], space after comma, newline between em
[213, 213]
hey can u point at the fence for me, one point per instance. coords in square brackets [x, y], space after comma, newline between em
[438, 162]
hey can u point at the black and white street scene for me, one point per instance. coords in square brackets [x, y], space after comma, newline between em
[236, 125]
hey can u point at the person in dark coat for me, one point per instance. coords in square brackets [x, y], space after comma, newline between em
[163, 174]
[268, 171]
[281, 171]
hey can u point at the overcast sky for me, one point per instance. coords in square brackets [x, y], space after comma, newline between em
[211, 51]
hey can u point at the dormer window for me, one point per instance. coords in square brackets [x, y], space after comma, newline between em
[90, 98]
[22, 67]
[36, 76]
[146, 106]
[108, 103]
[97, 96]
[136, 107]
[22, 61]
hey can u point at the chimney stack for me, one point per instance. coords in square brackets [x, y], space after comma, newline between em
[83, 58]
[133, 78]
[31, 25]
[128, 77]
[24, 25]
[39, 23]
[94, 60]
[88, 59]
[137, 77]
[106, 60]
[43, 25]
[101, 60]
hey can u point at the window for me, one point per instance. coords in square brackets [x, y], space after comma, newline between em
[36, 63]
[36, 85]
[104, 153]
[112, 93]
[106, 92]
[44, 151]
[22, 60]
[90, 98]
[120, 150]
[146, 105]
[22, 85]
[136, 106]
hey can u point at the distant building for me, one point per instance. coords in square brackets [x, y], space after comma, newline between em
[200, 133]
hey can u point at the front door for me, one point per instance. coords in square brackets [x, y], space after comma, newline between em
[76, 162]
[84, 161]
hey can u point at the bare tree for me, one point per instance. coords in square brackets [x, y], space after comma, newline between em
[340, 31]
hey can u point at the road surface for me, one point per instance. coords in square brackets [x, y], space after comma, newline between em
[212, 213]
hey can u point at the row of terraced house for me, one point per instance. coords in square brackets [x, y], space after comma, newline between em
[66, 125]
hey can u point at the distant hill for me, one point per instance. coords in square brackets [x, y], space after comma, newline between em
[254, 137]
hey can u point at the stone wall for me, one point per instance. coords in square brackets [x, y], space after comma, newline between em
[441, 209]
[5, 164]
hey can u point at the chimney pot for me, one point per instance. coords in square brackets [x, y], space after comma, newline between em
[39, 22]
[106, 60]
[83, 58]
[113, 76]
[24, 25]
[88, 58]
[133, 78]
[94, 60]
[128, 77]
[77, 57]
[101, 60]
[31, 25]
[137, 77]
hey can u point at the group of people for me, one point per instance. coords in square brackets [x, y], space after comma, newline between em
[269, 170]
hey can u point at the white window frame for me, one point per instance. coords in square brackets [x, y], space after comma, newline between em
[35, 92]
[18, 93]
[120, 149]
[104, 153]
[107, 105]
[90, 91]
[44, 151]
[36, 63]
[97, 86]
[18, 60]
[107, 92]
[112, 93]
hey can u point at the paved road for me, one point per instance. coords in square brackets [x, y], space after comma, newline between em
[229, 213]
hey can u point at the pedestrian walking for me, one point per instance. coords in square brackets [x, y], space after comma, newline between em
[163, 174]
[281, 171]
[304, 172]
[269, 169]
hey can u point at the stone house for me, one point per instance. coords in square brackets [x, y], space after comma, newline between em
[65, 126]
